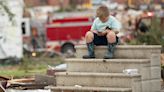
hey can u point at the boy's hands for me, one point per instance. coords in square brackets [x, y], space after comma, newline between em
[102, 33]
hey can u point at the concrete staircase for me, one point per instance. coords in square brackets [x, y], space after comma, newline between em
[107, 74]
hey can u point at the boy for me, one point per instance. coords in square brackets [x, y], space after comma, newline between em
[103, 32]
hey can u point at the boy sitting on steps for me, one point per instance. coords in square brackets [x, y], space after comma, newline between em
[103, 32]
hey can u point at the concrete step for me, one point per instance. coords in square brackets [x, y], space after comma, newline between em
[122, 51]
[86, 89]
[99, 80]
[109, 66]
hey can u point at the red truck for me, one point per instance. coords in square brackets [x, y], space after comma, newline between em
[63, 34]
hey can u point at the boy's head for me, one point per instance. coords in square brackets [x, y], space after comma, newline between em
[103, 13]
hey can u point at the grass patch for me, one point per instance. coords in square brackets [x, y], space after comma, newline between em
[29, 67]
[21, 73]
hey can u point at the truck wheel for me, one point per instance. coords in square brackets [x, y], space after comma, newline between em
[68, 50]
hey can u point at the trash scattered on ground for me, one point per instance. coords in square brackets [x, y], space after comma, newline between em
[130, 71]
[3, 83]
[25, 84]
[78, 86]
[2, 89]
[61, 67]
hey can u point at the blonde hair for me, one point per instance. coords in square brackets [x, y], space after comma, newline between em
[102, 11]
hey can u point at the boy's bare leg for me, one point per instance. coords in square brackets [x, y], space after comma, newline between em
[90, 45]
[111, 37]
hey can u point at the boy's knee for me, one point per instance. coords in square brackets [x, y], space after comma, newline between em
[89, 36]
[111, 36]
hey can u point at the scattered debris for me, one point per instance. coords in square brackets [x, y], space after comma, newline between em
[130, 71]
[60, 68]
[78, 86]
[2, 89]
[3, 83]
[3, 78]
[22, 84]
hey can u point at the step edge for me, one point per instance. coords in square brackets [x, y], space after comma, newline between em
[88, 88]
[125, 46]
[96, 74]
[108, 60]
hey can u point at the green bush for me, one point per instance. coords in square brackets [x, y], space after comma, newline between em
[155, 35]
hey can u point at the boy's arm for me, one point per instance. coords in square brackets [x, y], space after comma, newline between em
[93, 27]
[94, 31]
[116, 26]
[115, 30]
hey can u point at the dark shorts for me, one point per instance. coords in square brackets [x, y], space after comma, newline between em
[102, 40]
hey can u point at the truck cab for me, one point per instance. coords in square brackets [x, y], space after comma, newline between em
[63, 34]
